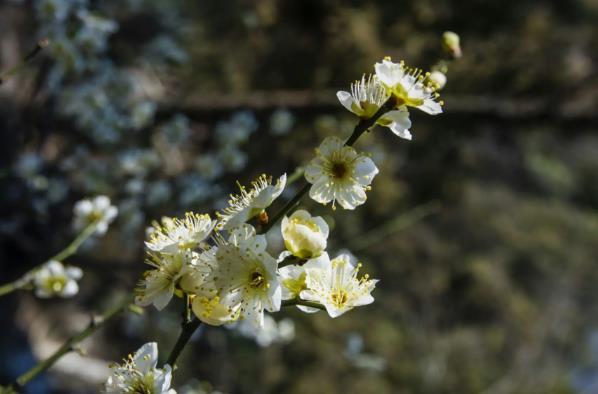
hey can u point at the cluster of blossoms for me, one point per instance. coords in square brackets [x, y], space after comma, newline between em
[235, 278]
[224, 265]
[410, 87]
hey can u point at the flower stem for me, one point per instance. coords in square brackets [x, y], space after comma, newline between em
[70, 250]
[188, 328]
[361, 127]
[298, 301]
[95, 324]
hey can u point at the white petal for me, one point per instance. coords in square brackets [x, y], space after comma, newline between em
[146, 357]
[313, 171]
[55, 267]
[162, 379]
[321, 223]
[388, 73]
[74, 272]
[321, 262]
[431, 107]
[101, 203]
[365, 170]
[399, 122]
[307, 309]
[70, 289]
[334, 311]
[275, 298]
[163, 297]
[330, 145]
[346, 99]
[363, 300]
[322, 191]
[350, 198]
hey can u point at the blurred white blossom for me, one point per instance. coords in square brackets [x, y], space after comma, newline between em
[281, 121]
[98, 211]
[54, 279]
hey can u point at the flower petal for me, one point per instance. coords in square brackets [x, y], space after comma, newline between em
[346, 99]
[146, 357]
[365, 170]
[431, 107]
[399, 122]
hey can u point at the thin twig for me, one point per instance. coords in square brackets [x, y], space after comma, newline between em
[188, 328]
[298, 301]
[95, 324]
[70, 250]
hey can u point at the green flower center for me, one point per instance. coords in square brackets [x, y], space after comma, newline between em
[56, 283]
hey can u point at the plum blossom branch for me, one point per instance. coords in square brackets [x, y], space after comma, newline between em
[188, 328]
[361, 127]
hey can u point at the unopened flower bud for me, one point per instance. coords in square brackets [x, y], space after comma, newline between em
[451, 44]
[304, 236]
[438, 78]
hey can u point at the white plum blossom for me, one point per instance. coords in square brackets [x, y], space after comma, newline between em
[175, 235]
[408, 86]
[138, 374]
[243, 282]
[158, 285]
[339, 173]
[304, 236]
[366, 98]
[292, 281]
[281, 122]
[272, 332]
[335, 285]
[98, 211]
[249, 204]
[54, 279]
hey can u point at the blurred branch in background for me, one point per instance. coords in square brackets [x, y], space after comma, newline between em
[70, 345]
[41, 44]
[399, 223]
[325, 100]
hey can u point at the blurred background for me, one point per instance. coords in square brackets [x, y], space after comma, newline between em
[483, 229]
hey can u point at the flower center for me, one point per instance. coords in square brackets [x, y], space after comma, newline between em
[257, 280]
[339, 298]
[55, 284]
[339, 170]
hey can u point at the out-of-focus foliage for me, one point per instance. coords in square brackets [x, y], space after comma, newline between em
[483, 230]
